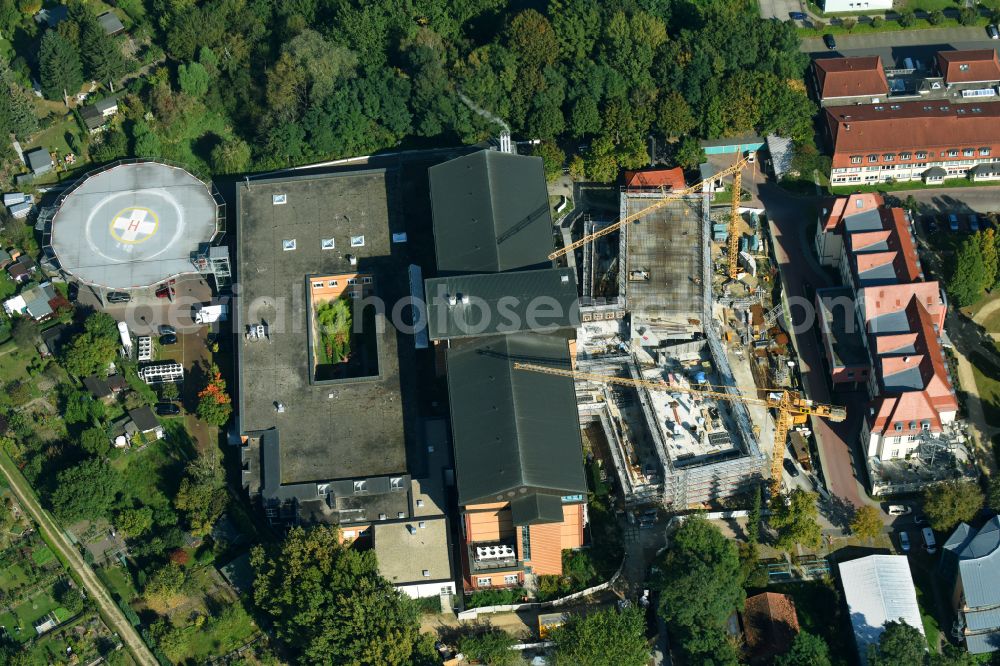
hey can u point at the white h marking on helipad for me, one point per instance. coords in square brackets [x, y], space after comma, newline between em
[134, 225]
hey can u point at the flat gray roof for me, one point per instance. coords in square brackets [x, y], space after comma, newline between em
[328, 431]
[491, 213]
[541, 300]
[403, 556]
[836, 306]
[664, 259]
[133, 225]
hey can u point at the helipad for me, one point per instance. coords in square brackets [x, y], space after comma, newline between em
[133, 225]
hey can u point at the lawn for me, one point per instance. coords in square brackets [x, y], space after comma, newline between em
[13, 576]
[989, 389]
[927, 599]
[818, 606]
[902, 186]
[118, 582]
[42, 555]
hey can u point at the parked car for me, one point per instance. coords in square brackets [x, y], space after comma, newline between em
[167, 409]
[898, 510]
[118, 297]
[168, 339]
[165, 291]
[790, 467]
[992, 31]
[797, 16]
[953, 222]
[73, 292]
[904, 542]
[830, 42]
[167, 329]
[930, 543]
[974, 223]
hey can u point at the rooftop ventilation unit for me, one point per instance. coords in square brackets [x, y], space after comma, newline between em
[411, 529]
[279, 407]
[501, 552]
[465, 298]
[452, 300]
[352, 259]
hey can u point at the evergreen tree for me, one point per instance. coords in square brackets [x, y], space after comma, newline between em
[991, 262]
[17, 113]
[968, 276]
[102, 54]
[60, 67]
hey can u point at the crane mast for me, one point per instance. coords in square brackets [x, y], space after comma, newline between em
[788, 404]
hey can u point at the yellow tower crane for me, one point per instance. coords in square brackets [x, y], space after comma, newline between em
[734, 218]
[672, 195]
[791, 407]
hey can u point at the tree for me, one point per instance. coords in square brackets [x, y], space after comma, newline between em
[906, 18]
[674, 116]
[135, 522]
[87, 490]
[193, 79]
[202, 495]
[867, 524]
[102, 55]
[794, 516]
[552, 159]
[95, 442]
[145, 142]
[878, 22]
[899, 645]
[993, 493]
[89, 352]
[968, 276]
[807, 650]
[991, 262]
[701, 585]
[689, 153]
[491, 647]
[169, 391]
[329, 604]
[604, 638]
[577, 168]
[17, 112]
[231, 156]
[947, 504]
[968, 15]
[59, 66]
[848, 24]
[25, 332]
[753, 516]
[68, 597]
[214, 404]
[936, 17]
[166, 582]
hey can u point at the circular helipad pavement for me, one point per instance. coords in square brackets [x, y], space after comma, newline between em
[133, 225]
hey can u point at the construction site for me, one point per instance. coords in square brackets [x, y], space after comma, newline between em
[684, 375]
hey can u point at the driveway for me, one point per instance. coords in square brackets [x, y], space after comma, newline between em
[780, 9]
[798, 266]
[956, 199]
[895, 45]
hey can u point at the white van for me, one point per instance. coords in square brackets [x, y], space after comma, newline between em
[930, 543]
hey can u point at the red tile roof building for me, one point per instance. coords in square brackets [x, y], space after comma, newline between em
[770, 624]
[897, 318]
[833, 213]
[671, 179]
[930, 140]
[857, 80]
[964, 67]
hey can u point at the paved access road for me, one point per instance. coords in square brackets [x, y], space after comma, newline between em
[798, 267]
[112, 615]
[895, 45]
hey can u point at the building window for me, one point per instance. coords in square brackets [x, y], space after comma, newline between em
[420, 504]
[968, 152]
[484, 582]
[288, 244]
[964, 67]
[352, 280]
[904, 156]
[984, 152]
[279, 199]
[317, 285]
[427, 573]
[855, 159]
[446, 590]
[327, 243]
[899, 426]
[888, 157]
[357, 241]
[396, 483]
[360, 487]
[510, 579]
[953, 152]
[355, 294]
[422, 525]
[873, 158]
[525, 543]
[366, 280]
[925, 425]
[332, 283]
[921, 155]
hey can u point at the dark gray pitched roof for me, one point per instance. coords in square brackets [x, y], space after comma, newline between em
[542, 301]
[513, 430]
[39, 160]
[536, 508]
[978, 555]
[144, 419]
[866, 220]
[491, 213]
[111, 23]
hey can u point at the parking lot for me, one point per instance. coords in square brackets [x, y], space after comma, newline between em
[145, 312]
